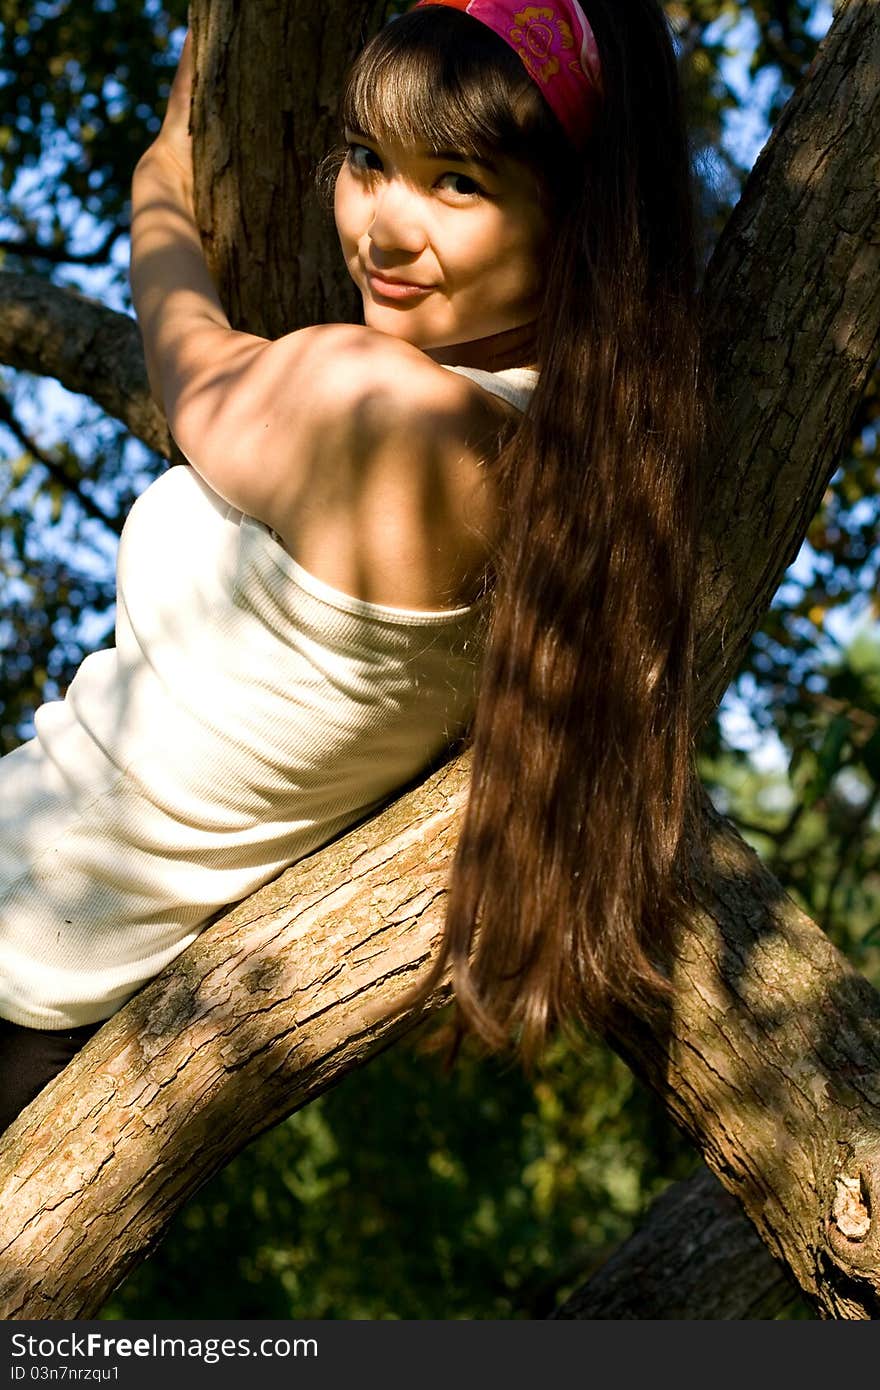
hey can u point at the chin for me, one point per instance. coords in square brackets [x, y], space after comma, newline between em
[398, 324]
[419, 322]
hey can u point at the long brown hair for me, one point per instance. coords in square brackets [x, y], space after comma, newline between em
[570, 872]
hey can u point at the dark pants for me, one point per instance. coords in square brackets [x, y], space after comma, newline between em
[29, 1058]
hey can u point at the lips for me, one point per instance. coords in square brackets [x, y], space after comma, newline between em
[392, 287]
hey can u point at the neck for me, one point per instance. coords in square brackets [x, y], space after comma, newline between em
[515, 347]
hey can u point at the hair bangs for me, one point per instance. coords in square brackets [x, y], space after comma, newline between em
[439, 79]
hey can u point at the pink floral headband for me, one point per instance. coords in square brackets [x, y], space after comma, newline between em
[558, 49]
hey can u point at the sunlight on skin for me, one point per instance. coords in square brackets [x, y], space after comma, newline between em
[447, 252]
[444, 249]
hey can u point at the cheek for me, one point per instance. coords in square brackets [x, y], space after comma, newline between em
[533, 267]
[339, 214]
[528, 258]
[511, 248]
[513, 264]
[523, 231]
[345, 204]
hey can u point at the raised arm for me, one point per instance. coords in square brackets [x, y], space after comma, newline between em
[233, 400]
[180, 316]
[393, 438]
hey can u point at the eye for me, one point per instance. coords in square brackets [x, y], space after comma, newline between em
[460, 184]
[362, 159]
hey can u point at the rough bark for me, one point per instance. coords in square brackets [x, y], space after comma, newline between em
[792, 303]
[264, 118]
[292, 989]
[695, 1256]
[89, 348]
[771, 1061]
[772, 1052]
[284, 996]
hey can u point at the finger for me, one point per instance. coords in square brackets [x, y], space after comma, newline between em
[181, 85]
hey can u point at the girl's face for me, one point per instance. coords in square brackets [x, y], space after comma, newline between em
[444, 249]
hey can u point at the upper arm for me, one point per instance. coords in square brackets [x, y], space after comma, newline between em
[351, 409]
[241, 408]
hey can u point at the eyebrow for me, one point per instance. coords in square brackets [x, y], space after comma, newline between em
[458, 158]
[455, 156]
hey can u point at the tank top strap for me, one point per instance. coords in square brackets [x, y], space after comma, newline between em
[513, 384]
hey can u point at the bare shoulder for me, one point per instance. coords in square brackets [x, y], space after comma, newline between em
[400, 503]
[387, 382]
[370, 461]
[255, 411]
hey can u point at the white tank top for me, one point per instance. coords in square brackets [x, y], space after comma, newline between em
[247, 714]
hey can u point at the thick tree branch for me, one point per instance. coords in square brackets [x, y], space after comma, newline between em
[771, 1054]
[770, 1062]
[89, 348]
[792, 305]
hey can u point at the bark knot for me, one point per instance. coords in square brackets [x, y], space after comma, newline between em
[850, 1210]
[853, 1233]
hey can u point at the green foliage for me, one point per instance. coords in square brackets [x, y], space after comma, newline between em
[817, 826]
[404, 1193]
[82, 91]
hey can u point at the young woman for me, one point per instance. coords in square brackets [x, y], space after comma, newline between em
[478, 507]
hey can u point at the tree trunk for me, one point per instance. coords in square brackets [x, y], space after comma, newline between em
[264, 118]
[291, 990]
[772, 1050]
[771, 1061]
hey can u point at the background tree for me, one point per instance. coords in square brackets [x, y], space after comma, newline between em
[50, 567]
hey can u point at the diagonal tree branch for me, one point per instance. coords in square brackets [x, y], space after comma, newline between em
[87, 347]
[792, 305]
[772, 1050]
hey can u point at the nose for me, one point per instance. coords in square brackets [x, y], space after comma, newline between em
[397, 224]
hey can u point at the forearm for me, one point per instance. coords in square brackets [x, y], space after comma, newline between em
[174, 296]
